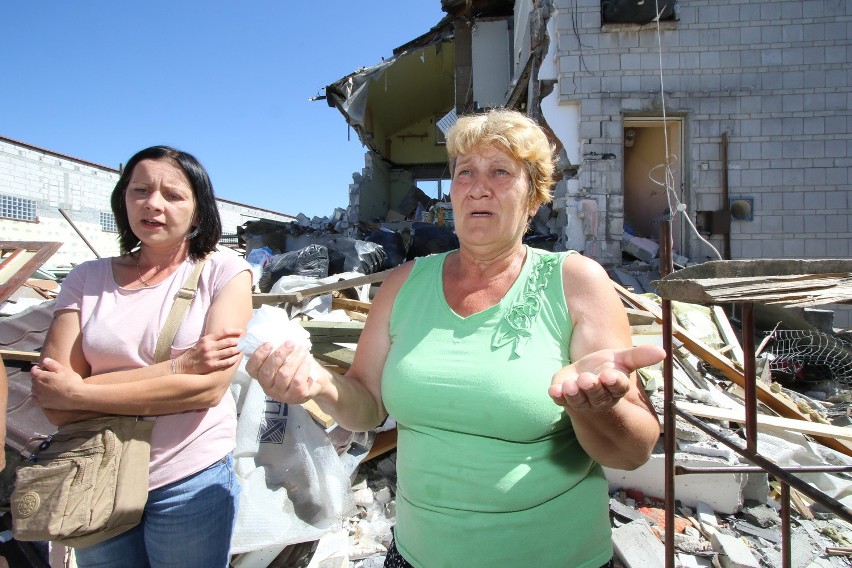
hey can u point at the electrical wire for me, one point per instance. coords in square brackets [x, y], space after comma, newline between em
[668, 178]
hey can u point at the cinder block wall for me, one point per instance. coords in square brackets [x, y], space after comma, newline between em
[54, 182]
[774, 75]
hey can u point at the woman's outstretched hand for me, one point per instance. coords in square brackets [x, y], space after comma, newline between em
[600, 379]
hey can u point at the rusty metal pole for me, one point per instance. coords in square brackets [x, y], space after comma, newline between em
[750, 376]
[666, 267]
[786, 555]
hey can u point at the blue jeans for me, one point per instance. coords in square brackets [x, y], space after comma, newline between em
[186, 524]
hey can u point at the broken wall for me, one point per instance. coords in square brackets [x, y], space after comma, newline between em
[376, 189]
[773, 75]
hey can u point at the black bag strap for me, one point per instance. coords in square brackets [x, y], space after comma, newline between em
[183, 299]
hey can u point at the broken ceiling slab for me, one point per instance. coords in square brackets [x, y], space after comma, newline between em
[795, 282]
[413, 87]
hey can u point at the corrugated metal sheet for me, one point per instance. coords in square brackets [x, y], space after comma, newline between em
[24, 332]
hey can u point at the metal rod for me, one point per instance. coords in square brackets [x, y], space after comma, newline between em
[750, 376]
[726, 249]
[786, 556]
[79, 233]
[669, 436]
[686, 470]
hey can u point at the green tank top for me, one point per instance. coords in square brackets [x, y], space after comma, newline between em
[488, 467]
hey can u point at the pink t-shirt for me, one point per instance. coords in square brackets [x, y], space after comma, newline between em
[120, 329]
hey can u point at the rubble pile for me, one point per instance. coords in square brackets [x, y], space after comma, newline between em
[727, 518]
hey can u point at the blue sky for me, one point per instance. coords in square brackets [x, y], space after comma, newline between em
[226, 81]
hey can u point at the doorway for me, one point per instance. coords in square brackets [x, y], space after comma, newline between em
[648, 173]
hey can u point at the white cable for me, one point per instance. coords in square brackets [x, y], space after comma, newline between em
[668, 174]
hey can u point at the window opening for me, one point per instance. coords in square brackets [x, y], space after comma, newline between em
[18, 208]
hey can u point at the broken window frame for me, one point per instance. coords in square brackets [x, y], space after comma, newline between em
[19, 260]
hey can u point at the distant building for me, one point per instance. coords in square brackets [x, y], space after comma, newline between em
[37, 186]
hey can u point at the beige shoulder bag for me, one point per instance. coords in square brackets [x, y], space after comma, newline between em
[89, 481]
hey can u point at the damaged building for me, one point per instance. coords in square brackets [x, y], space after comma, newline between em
[726, 119]
[730, 115]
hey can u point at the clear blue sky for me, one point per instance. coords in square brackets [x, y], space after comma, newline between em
[226, 81]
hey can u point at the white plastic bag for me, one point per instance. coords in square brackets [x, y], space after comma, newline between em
[294, 485]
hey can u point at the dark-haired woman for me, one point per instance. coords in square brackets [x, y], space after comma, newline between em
[98, 358]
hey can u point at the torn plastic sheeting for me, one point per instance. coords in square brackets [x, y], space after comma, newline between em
[310, 261]
[350, 94]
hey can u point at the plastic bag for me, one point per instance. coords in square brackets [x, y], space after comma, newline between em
[309, 261]
[258, 259]
[427, 239]
[352, 255]
[273, 325]
[295, 487]
[392, 243]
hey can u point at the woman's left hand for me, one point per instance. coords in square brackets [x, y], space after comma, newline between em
[600, 379]
[55, 385]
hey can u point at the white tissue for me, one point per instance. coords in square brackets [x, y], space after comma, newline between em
[272, 325]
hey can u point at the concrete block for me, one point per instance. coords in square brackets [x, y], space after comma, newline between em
[637, 546]
[706, 516]
[723, 492]
[690, 561]
[641, 248]
[733, 552]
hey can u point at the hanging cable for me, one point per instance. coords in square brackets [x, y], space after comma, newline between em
[668, 182]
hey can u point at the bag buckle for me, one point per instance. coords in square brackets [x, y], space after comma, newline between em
[31, 455]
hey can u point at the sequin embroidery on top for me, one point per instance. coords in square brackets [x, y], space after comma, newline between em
[515, 326]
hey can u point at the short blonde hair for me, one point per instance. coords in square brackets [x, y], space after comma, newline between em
[514, 133]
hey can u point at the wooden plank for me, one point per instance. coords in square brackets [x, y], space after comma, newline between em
[299, 295]
[385, 442]
[333, 331]
[320, 417]
[333, 354]
[338, 303]
[723, 324]
[768, 422]
[780, 405]
[12, 355]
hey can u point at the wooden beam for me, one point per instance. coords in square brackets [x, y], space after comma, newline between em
[768, 422]
[299, 295]
[385, 442]
[23, 258]
[333, 331]
[12, 355]
[333, 354]
[320, 417]
[338, 303]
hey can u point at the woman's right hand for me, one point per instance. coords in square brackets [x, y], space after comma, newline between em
[288, 374]
[213, 352]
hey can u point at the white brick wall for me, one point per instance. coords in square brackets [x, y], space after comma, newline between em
[773, 74]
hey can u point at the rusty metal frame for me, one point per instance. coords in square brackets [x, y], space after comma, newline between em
[783, 475]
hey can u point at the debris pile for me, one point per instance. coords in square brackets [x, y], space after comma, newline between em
[727, 518]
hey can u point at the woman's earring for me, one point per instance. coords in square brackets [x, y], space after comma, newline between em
[192, 234]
